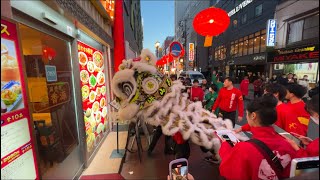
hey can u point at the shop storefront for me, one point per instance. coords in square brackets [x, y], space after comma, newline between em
[62, 64]
[301, 60]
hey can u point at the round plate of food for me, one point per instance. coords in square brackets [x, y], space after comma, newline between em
[84, 76]
[92, 96]
[90, 66]
[103, 90]
[103, 102]
[104, 112]
[98, 117]
[97, 59]
[83, 59]
[85, 92]
[92, 81]
[95, 106]
[101, 78]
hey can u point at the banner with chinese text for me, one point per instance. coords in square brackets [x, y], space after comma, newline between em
[93, 90]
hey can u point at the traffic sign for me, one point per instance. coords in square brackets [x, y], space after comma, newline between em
[176, 49]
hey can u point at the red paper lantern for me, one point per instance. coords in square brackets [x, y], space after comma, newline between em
[161, 62]
[168, 58]
[48, 53]
[211, 22]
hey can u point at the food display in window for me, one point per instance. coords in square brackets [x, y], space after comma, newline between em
[102, 102]
[92, 96]
[90, 66]
[93, 81]
[95, 106]
[84, 76]
[93, 88]
[103, 90]
[98, 117]
[9, 65]
[97, 59]
[85, 92]
[83, 59]
[101, 78]
[11, 95]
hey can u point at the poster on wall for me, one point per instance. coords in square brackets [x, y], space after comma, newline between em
[93, 88]
[18, 160]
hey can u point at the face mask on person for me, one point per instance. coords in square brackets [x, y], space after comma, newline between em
[315, 120]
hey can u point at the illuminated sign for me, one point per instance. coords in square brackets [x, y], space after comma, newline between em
[239, 7]
[109, 7]
[271, 32]
[294, 54]
[191, 51]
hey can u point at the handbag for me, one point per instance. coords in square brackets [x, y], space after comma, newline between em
[272, 159]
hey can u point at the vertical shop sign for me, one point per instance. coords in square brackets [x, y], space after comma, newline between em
[93, 90]
[18, 160]
[191, 51]
[271, 32]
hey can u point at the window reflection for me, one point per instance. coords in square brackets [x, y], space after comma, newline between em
[51, 104]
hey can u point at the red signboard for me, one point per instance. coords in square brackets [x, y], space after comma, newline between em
[294, 54]
[18, 158]
[93, 90]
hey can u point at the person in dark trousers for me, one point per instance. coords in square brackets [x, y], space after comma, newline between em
[257, 87]
[156, 136]
[229, 100]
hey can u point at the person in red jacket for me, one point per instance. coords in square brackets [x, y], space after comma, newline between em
[229, 99]
[245, 160]
[285, 118]
[257, 87]
[196, 92]
[244, 87]
[312, 146]
[295, 92]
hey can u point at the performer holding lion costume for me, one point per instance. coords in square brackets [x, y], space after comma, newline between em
[146, 94]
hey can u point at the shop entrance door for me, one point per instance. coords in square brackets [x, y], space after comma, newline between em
[51, 103]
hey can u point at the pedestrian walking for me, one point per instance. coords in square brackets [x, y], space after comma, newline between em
[244, 87]
[228, 101]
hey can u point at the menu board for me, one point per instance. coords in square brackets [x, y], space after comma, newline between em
[17, 150]
[93, 90]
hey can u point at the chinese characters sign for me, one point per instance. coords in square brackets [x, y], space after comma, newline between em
[93, 90]
[271, 32]
[191, 51]
[59, 93]
[17, 153]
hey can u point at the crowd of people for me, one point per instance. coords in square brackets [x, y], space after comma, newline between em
[282, 101]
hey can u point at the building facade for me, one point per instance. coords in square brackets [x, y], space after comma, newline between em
[132, 28]
[241, 49]
[185, 11]
[297, 40]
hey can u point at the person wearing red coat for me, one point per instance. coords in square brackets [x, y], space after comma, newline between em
[295, 92]
[229, 100]
[196, 92]
[257, 87]
[285, 117]
[244, 87]
[312, 146]
[245, 160]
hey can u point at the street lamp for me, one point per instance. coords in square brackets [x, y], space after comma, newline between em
[157, 45]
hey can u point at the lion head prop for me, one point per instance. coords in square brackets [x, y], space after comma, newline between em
[148, 95]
